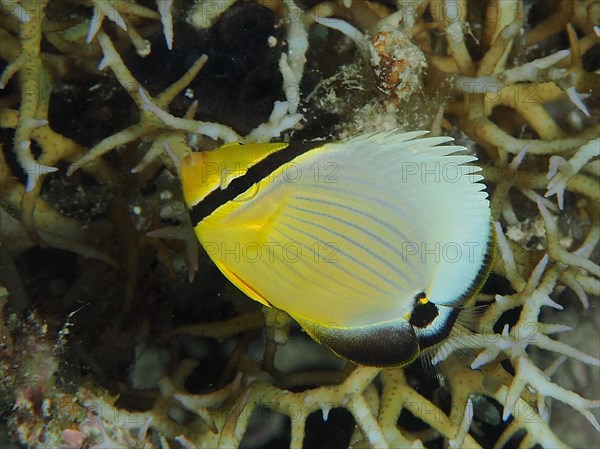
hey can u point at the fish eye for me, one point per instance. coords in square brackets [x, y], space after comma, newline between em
[424, 312]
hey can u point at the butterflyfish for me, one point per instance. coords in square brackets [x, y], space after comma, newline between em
[373, 245]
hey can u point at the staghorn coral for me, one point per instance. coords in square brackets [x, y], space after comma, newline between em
[507, 81]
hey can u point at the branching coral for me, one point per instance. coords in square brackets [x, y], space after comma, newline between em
[499, 80]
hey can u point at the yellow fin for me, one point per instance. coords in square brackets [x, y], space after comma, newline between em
[242, 285]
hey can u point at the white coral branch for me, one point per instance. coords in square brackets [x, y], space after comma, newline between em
[558, 253]
[528, 374]
[459, 439]
[166, 18]
[13, 8]
[279, 121]
[560, 171]
[532, 71]
[291, 65]
[344, 27]
[213, 130]
[102, 9]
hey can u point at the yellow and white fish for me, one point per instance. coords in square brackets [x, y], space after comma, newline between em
[372, 245]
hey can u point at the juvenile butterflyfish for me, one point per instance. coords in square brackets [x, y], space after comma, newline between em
[373, 245]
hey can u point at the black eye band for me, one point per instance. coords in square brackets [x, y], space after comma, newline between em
[254, 174]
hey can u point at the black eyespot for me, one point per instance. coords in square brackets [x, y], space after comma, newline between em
[423, 313]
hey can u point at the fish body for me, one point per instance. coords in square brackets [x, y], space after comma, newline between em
[373, 245]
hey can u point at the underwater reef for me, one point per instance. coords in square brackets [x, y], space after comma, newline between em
[117, 331]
